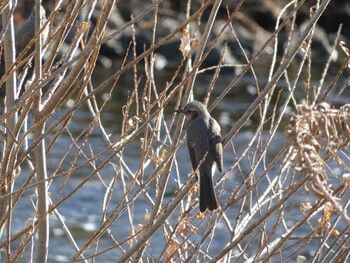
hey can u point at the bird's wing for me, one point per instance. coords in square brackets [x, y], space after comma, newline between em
[215, 143]
[190, 146]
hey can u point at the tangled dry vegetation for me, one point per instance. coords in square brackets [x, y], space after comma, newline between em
[317, 134]
[120, 189]
[320, 134]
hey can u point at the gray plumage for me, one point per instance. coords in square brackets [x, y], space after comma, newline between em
[23, 35]
[26, 32]
[205, 148]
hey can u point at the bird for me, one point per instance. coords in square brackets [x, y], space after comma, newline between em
[26, 32]
[204, 144]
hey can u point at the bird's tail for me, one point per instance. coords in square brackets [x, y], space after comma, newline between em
[207, 196]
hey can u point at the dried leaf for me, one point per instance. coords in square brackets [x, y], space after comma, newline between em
[305, 206]
[192, 228]
[194, 43]
[138, 229]
[181, 227]
[188, 45]
[132, 121]
[171, 249]
[334, 233]
[328, 209]
[146, 215]
[324, 222]
[200, 215]
[130, 242]
[154, 159]
[303, 46]
[185, 46]
[312, 10]
[85, 26]
[163, 155]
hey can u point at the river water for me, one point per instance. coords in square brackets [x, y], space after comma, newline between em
[82, 212]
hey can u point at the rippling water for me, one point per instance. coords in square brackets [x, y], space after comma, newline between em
[82, 212]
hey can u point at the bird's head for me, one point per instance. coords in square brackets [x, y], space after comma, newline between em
[193, 109]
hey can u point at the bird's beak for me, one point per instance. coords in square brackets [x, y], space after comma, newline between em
[180, 110]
